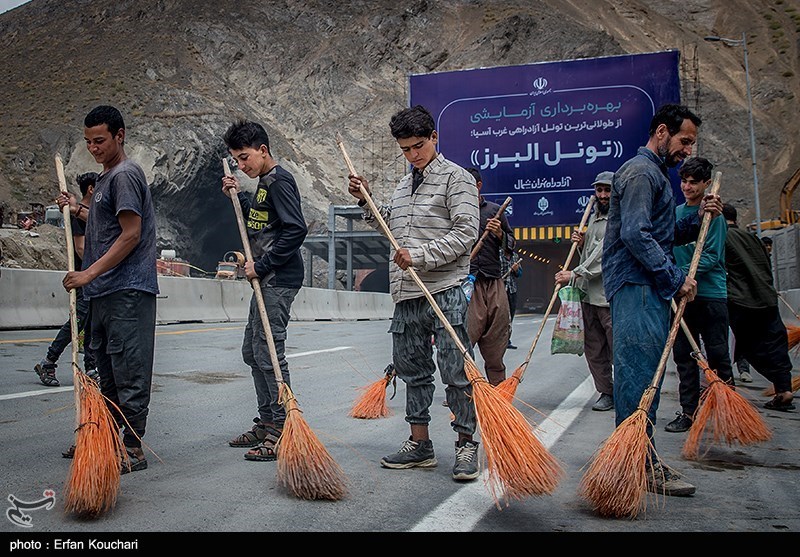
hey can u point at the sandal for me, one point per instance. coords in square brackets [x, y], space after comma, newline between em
[265, 451]
[778, 403]
[250, 438]
[47, 375]
[69, 453]
[133, 463]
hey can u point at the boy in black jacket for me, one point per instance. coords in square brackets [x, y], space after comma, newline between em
[276, 230]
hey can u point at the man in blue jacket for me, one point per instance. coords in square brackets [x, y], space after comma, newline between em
[640, 276]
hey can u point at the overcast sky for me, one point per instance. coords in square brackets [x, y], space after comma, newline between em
[6, 5]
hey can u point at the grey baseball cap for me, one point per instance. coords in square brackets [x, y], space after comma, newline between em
[604, 178]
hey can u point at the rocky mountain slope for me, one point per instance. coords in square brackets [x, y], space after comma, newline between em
[182, 70]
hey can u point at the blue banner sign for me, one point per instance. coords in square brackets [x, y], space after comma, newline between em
[541, 133]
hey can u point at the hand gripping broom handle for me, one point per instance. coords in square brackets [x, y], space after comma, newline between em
[262, 308]
[698, 251]
[482, 239]
[553, 298]
[396, 246]
[73, 294]
[512, 269]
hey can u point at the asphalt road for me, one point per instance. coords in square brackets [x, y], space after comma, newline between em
[203, 395]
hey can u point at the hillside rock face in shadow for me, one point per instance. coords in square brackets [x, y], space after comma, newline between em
[181, 71]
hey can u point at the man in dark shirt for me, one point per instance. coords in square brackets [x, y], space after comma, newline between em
[488, 317]
[640, 276]
[276, 230]
[755, 319]
[119, 277]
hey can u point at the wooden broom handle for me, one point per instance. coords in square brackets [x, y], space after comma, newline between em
[553, 298]
[262, 308]
[73, 293]
[485, 234]
[685, 329]
[698, 251]
[512, 269]
[782, 299]
[388, 233]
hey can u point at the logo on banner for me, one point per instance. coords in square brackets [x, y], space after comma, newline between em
[543, 204]
[540, 83]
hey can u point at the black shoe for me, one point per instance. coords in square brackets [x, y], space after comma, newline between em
[604, 403]
[411, 455]
[680, 424]
[511, 346]
[466, 466]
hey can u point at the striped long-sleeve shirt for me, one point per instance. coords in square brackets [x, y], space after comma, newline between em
[438, 224]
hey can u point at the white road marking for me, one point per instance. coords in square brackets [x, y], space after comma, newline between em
[65, 389]
[461, 511]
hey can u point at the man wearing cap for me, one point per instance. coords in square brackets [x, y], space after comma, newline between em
[597, 335]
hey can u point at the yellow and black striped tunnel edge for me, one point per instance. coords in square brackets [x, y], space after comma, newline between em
[545, 232]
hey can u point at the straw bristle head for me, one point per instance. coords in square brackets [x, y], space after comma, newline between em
[508, 386]
[616, 480]
[372, 402]
[94, 474]
[724, 416]
[518, 464]
[305, 467]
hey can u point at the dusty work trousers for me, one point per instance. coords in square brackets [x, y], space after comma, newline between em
[413, 323]
[762, 340]
[707, 320]
[598, 343]
[123, 341]
[255, 350]
[641, 326]
[489, 325]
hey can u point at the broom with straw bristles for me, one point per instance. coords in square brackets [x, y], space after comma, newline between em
[372, 403]
[482, 239]
[793, 339]
[304, 465]
[792, 331]
[508, 386]
[616, 480]
[93, 482]
[518, 464]
[729, 416]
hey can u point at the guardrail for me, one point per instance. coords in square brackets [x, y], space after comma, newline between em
[31, 299]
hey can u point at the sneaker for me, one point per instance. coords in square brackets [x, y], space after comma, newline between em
[680, 424]
[466, 466]
[745, 377]
[510, 346]
[93, 375]
[666, 481]
[412, 454]
[46, 370]
[604, 403]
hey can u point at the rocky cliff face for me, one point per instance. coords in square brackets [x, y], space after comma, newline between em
[182, 70]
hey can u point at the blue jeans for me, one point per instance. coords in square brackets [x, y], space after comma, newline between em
[641, 321]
